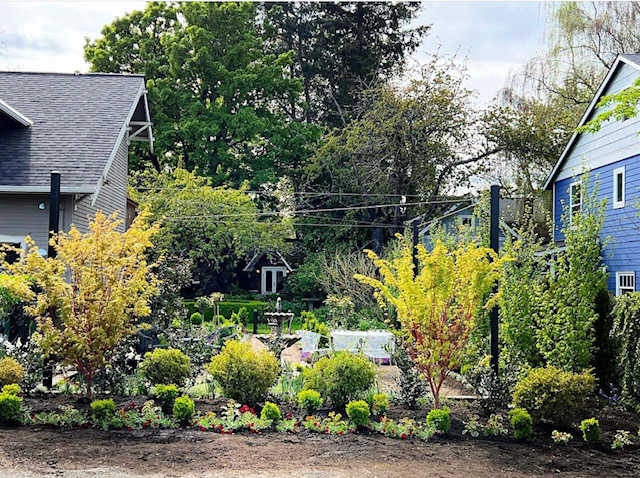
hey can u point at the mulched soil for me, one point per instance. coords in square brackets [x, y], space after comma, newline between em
[43, 451]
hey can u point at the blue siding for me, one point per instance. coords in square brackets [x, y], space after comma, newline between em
[621, 226]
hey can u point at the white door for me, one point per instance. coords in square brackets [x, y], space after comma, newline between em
[271, 279]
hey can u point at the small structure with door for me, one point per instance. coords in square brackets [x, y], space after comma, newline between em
[266, 273]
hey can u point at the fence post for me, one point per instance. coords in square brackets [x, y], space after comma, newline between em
[495, 245]
[255, 321]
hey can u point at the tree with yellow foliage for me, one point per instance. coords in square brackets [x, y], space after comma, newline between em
[89, 296]
[439, 307]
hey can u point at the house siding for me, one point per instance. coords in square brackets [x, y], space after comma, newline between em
[112, 196]
[21, 217]
[616, 140]
[621, 227]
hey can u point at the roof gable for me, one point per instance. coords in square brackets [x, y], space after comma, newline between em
[78, 122]
[631, 60]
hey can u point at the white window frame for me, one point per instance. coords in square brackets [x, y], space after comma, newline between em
[471, 218]
[571, 198]
[617, 172]
[622, 288]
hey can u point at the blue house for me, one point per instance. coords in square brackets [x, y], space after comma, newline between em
[611, 157]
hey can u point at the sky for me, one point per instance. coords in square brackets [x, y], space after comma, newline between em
[495, 37]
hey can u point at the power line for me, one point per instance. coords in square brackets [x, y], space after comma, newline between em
[306, 224]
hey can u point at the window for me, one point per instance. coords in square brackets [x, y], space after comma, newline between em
[625, 283]
[575, 199]
[618, 188]
[467, 221]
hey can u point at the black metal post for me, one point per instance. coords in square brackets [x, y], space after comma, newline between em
[414, 227]
[495, 245]
[54, 219]
[255, 321]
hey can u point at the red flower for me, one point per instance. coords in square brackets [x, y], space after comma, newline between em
[222, 432]
[252, 411]
[403, 436]
[202, 428]
[129, 428]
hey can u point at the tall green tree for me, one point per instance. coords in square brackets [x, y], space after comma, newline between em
[216, 228]
[342, 49]
[409, 144]
[217, 100]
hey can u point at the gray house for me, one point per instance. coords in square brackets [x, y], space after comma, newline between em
[77, 125]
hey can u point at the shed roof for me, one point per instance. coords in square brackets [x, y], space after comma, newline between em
[78, 121]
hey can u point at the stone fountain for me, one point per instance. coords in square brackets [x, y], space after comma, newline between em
[276, 342]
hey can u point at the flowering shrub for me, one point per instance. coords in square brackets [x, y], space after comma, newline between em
[560, 438]
[590, 430]
[270, 411]
[232, 419]
[244, 374]
[310, 400]
[183, 409]
[440, 419]
[358, 412]
[404, 429]
[166, 366]
[288, 425]
[521, 422]
[10, 371]
[332, 425]
[65, 416]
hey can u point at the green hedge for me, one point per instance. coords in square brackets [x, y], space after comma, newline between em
[231, 306]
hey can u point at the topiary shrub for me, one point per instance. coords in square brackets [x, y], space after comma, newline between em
[10, 403]
[270, 411]
[440, 419]
[166, 366]
[340, 378]
[196, 318]
[183, 410]
[10, 371]
[522, 423]
[103, 410]
[358, 412]
[310, 401]
[590, 430]
[244, 374]
[553, 396]
[166, 394]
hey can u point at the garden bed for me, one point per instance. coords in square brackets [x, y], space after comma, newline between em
[36, 451]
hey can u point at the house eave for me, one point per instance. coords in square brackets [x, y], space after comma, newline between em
[14, 114]
[45, 189]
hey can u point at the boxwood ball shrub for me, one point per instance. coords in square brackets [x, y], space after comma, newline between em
[440, 419]
[244, 374]
[166, 366]
[270, 411]
[340, 378]
[103, 410]
[183, 410]
[522, 423]
[10, 371]
[310, 401]
[553, 396]
[166, 394]
[358, 412]
[196, 318]
[590, 430]
[10, 403]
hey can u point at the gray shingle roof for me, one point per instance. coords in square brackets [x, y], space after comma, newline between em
[76, 123]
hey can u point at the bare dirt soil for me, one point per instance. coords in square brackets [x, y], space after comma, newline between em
[29, 452]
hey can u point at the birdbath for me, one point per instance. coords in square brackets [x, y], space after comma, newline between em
[276, 342]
